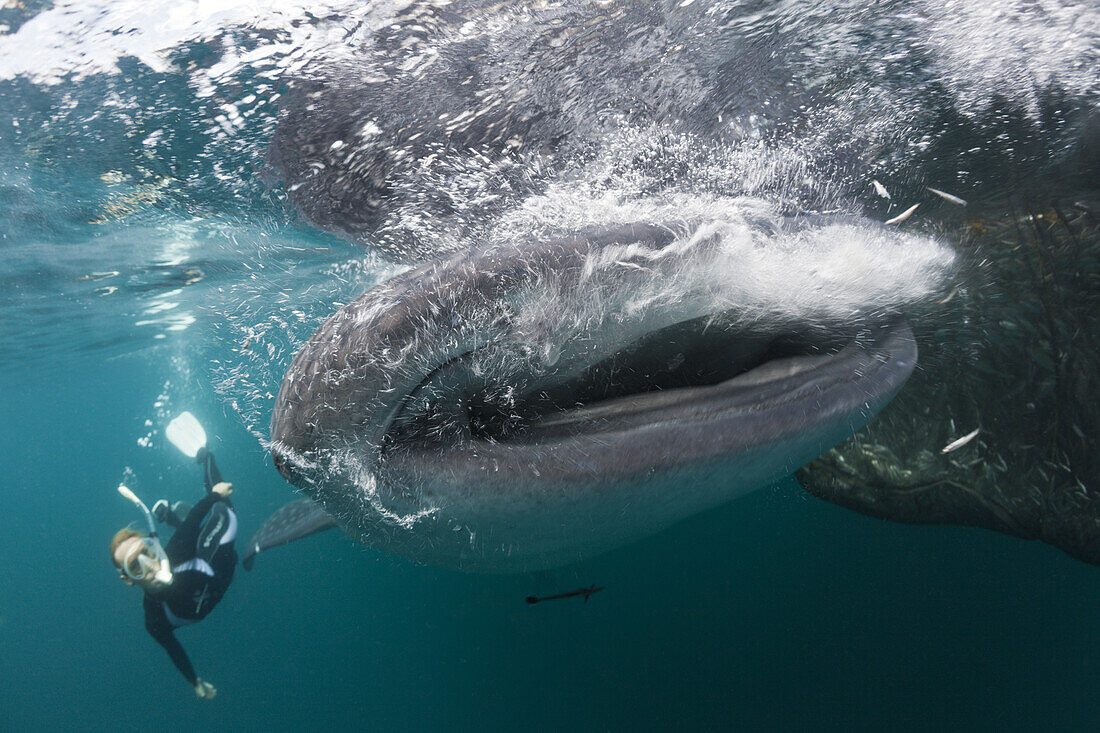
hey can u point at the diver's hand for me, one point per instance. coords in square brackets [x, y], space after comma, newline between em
[224, 489]
[204, 689]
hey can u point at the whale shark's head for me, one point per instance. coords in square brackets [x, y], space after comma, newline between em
[522, 405]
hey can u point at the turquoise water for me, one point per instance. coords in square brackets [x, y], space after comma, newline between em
[158, 257]
[776, 611]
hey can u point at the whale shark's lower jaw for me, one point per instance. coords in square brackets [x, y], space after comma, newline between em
[430, 423]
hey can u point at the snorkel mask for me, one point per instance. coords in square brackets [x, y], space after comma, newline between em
[144, 561]
[147, 559]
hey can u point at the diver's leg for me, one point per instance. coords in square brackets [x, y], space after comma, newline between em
[218, 529]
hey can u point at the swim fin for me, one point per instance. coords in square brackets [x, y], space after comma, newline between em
[186, 434]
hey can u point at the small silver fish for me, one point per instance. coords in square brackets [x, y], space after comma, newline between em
[956, 444]
[946, 196]
[880, 189]
[903, 215]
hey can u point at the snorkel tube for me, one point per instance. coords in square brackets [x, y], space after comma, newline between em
[164, 568]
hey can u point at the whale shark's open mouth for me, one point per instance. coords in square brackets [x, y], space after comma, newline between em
[692, 371]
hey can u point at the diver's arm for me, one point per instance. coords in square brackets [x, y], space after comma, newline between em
[156, 623]
[211, 476]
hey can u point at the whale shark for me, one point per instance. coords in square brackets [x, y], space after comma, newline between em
[524, 406]
[442, 132]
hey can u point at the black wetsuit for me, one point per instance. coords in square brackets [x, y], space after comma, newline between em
[203, 560]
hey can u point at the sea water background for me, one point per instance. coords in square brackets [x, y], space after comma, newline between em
[776, 611]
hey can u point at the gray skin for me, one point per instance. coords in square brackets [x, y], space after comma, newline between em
[391, 418]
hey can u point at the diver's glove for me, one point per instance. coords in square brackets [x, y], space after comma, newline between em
[223, 489]
[204, 689]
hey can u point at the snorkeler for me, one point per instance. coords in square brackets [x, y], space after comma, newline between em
[186, 578]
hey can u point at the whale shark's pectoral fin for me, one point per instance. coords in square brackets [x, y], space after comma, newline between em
[291, 522]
